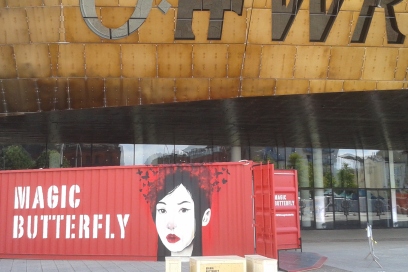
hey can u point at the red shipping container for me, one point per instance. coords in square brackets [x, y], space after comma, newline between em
[276, 210]
[137, 212]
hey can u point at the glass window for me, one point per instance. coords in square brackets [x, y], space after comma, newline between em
[306, 209]
[301, 160]
[379, 208]
[376, 169]
[345, 169]
[25, 156]
[401, 208]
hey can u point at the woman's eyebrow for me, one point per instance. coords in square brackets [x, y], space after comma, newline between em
[183, 202]
[161, 202]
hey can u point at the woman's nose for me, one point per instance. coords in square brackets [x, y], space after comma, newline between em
[171, 224]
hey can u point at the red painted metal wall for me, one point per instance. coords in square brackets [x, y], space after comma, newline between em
[104, 213]
[276, 210]
[264, 209]
[287, 209]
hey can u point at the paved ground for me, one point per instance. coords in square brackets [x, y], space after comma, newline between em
[346, 251]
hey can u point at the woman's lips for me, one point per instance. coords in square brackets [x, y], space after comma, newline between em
[172, 238]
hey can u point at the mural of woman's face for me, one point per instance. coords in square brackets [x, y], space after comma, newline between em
[175, 220]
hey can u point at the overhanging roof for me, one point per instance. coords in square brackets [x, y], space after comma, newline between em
[369, 120]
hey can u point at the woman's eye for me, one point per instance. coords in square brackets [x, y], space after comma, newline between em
[161, 210]
[184, 210]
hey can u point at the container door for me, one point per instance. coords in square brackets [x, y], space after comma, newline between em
[287, 209]
[264, 209]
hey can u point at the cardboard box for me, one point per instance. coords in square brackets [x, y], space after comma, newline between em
[217, 264]
[173, 264]
[258, 263]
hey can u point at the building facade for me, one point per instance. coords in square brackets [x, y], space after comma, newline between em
[319, 86]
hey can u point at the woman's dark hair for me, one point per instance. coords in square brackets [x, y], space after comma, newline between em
[200, 191]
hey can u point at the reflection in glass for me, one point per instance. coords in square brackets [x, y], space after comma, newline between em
[379, 208]
[306, 209]
[26, 156]
[346, 203]
[402, 208]
[127, 154]
[376, 172]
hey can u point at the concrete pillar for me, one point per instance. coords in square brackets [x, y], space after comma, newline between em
[235, 153]
[392, 185]
[318, 183]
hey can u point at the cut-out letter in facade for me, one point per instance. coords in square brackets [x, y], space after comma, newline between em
[217, 8]
[321, 22]
[137, 18]
[366, 16]
[282, 17]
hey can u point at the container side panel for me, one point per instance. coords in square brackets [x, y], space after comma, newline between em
[136, 212]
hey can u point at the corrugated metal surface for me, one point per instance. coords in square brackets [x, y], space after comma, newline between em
[105, 213]
[287, 209]
[265, 228]
[276, 210]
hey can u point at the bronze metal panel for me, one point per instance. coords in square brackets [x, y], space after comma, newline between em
[189, 89]
[326, 86]
[352, 5]
[2, 3]
[267, 4]
[346, 62]
[102, 60]
[13, 26]
[252, 61]
[139, 60]
[234, 27]
[403, 27]
[379, 63]
[283, 55]
[21, 95]
[389, 85]
[95, 92]
[77, 94]
[311, 61]
[114, 17]
[103, 3]
[175, 60]
[222, 88]
[52, 2]
[7, 62]
[131, 91]
[358, 85]
[158, 27]
[76, 29]
[44, 24]
[299, 32]
[288, 86]
[127, 3]
[376, 35]
[53, 54]
[199, 27]
[235, 59]
[32, 60]
[71, 60]
[157, 90]
[210, 60]
[401, 70]
[340, 32]
[258, 87]
[70, 2]
[114, 95]
[260, 31]
[47, 88]
[24, 3]
[61, 94]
